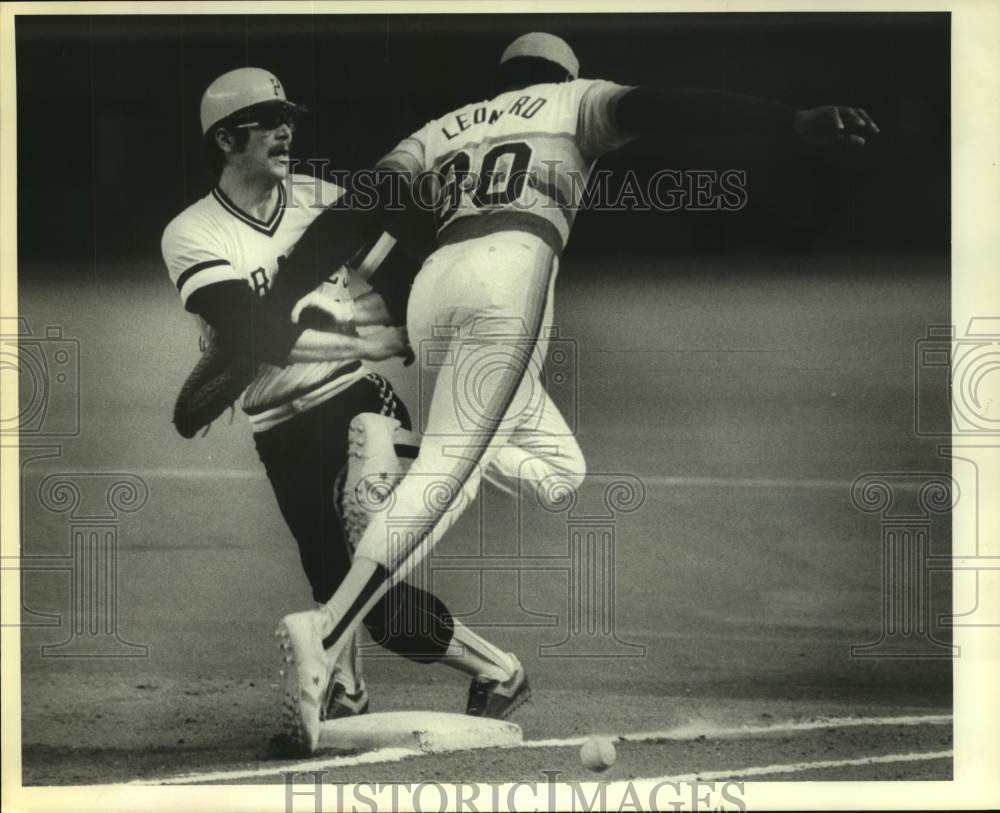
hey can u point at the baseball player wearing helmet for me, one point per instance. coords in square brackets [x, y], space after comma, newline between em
[260, 259]
[511, 172]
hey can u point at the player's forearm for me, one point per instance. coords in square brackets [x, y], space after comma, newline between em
[331, 240]
[650, 111]
[391, 283]
[380, 344]
[245, 324]
[371, 309]
[316, 345]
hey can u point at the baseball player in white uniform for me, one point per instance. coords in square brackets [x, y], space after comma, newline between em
[254, 261]
[508, 174]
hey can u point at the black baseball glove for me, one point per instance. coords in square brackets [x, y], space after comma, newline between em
[211, 388]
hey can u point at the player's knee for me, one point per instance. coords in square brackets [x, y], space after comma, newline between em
[572, 464]
[572, 480]
[575, 479]
[558, 489]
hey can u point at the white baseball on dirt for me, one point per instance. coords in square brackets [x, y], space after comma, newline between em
[598, 753]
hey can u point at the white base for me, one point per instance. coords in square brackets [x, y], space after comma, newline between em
[428, 731]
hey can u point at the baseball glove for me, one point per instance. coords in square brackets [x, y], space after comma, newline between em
[211, 388]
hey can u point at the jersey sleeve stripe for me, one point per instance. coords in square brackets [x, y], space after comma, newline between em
[194, 269]
[597, 119]
[207, 276]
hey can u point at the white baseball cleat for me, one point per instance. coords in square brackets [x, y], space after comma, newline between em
[307, 670]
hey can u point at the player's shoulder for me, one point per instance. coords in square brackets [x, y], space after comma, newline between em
[196, 222]
[313, 193]
[582, 87]
[565, 96]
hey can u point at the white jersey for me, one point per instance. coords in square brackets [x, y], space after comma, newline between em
[519, 161]
[214, 241]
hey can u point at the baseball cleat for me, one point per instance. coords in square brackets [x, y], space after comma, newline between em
[340, 704]
[306, 670]
[499, 698]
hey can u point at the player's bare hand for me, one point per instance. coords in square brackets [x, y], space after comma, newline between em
[835, 124]
[325, 309]
[382, 343]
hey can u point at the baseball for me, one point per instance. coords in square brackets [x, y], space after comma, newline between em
[598, 753]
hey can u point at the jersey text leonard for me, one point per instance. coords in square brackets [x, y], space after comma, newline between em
[519, 161]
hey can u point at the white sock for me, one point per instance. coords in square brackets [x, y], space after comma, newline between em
[347, 667]
[475, 656]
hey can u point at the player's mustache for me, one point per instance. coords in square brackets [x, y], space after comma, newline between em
[282, 150]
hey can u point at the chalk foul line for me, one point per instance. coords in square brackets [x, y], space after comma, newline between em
[793, 767]
[681, 733]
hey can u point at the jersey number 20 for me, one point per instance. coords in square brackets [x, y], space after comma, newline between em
[499, 181]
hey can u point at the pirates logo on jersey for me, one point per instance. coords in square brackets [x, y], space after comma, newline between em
[259, 281]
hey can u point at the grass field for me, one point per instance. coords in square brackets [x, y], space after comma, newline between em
[745, 394]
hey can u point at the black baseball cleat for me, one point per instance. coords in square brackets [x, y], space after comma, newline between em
[340, 704]
[499, 698]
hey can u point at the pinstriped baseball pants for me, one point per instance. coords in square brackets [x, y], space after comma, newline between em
[479, 320]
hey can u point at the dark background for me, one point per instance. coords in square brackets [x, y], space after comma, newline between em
[746, 367]
[109, 139]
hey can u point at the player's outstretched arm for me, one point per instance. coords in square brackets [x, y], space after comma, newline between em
[649, 111]
[835, 124]
[252, 329]
[376, 345]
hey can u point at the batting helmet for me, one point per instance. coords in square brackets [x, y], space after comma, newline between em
[544, 46]
[237, 90]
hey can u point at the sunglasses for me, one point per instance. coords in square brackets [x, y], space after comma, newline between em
[271, 119]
